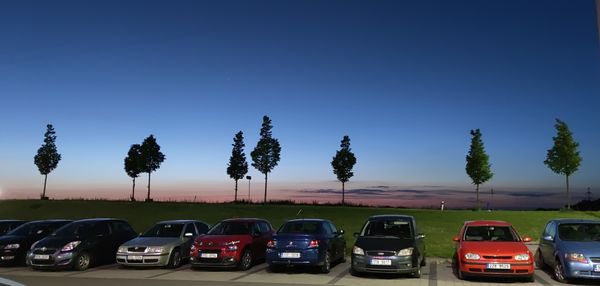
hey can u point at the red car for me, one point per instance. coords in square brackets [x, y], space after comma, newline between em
[236, 242]
[492, 248]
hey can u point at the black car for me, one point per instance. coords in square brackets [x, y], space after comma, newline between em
[15, 244]
[389, 244]
[80, 244]
[9, 224]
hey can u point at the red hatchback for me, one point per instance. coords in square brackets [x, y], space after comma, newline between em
[232, 243]
[492, 248]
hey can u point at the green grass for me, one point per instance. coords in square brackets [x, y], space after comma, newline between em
[439, 227]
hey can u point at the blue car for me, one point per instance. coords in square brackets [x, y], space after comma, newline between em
[571, 247]
[313, 242]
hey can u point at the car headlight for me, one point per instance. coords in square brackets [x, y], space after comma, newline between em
[231, 243]
[358, 251]
[575, 256]
[122, 249]
[12, 246]
[70, 246]
[522, 257]
[405, 252]
[193, 247]
[155, 249]
[472, 256]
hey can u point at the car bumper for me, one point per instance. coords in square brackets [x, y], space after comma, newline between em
[517, 269]
[398, 264]
[58, 260]
[11, 257]
[223, 258]
[581, 270]
[306, 257]
[141, 260]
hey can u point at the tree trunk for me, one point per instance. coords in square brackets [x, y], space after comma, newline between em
[265, 199]
[44, 192]
[236, 185]
[477, 191]
[343, 193]
[148, 197]
[568, 194]
[133, 190]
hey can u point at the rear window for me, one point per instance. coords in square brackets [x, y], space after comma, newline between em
[306, 227]
[490, 233]
[388, 227]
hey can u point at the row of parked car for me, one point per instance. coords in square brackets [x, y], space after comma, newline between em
[385, 244]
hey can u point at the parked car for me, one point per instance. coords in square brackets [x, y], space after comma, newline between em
[314, 242]
[492, 248]
[389, 244]
[239, 242]
[80, 244]
[15, 244]
[167, 243]
[572, 248]
[7, 225]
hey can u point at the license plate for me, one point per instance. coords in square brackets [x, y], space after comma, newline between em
[41, 257]
[134, 257]
[290, 255]
[498, 266]
[381, 262]
[209, 255]
[596, 267]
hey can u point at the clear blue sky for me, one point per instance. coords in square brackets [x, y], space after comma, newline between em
[406, 80]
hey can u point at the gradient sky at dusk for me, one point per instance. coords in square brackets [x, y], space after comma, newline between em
[406, 80]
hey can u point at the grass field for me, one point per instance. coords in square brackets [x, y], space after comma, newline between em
[438, 226]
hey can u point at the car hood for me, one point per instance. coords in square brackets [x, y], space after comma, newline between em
[588, 248]
[207, 239]
[55, 241]
[369, 243]
[10, 239]
[494, 247]
[153, 241]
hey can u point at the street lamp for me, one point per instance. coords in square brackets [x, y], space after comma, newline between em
[249, 178]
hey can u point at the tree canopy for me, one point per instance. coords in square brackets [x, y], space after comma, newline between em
[237, 167]
[266, 154]
[47, 156]
[342, 164]
[478, 167]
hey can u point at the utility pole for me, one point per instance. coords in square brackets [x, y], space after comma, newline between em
[249, 178]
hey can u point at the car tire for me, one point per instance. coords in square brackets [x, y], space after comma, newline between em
[82, 261]
[246, 260]
[326, 267]
[559, 272]
[417, 273]
[423, 261]
[354, 272]
[174, 259]
[539, 260]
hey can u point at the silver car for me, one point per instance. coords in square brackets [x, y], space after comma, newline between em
[166, 244]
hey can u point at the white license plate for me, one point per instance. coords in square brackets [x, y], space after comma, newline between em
[134, 257]
[209, 255]
[41, 257]
[596, 267]
[290, 255]
[498, 266]
[381, 262]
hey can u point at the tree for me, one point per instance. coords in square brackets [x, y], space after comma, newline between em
[266, 154]
[342, 164]
[564, 157]
[151, 158]
[237, 167]
[133, 165]
[47, 156]
[478, 167]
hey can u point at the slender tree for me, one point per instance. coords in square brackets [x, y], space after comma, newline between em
[237, 167]
[478, 167]
[266, 154]
[342, 164]
[133, 165]
[47, 156]
[563, 158]
[151, 158]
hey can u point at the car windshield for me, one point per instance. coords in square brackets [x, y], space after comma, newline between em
[490, 233]
[306, 227]
[81, 229]
[231, 228]
[392, 227]
[164, 230]
[27, 229]
[579, 231]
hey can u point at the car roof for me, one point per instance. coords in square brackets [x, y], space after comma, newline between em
[98, 219]
[177, 221]
[308, 219]
[244, 219]
[50, 221]
[575, 220]
[486, 223]
[390, 216]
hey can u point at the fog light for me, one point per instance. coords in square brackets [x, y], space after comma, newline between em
[7, 257]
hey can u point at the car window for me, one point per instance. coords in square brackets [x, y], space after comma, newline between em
[308, 227]
[552, 229]
[189, 228]
[164, 230]
[264, 227]
[333, 228]
[100, 228]
[121, 227]
[392, 227]
[490, 233]
[579, 231]
[231, 228]
[202, 228]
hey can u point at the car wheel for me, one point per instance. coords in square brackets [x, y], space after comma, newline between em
[539, 260]
[417, 273]
[246, 261]
[82, 261]
[354, 272]
[175, 259]
[559, 273]
[423, 261]
[326, 263]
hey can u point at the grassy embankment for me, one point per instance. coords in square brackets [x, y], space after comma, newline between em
[438, 226]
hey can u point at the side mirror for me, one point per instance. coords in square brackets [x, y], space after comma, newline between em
[456, 238]
[356, 234]
[526, 239]
[188, 234]
[548, 238]
[420, 236]
[341, 232]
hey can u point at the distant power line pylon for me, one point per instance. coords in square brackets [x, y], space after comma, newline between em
[589, 192]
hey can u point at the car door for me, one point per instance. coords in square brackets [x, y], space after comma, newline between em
[188, 240]
[419, 240]
[265, 235]
[101, 241]
[336, 240]
[547, 243]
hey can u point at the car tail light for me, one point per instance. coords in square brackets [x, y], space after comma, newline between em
[271, 244]
[313, 243]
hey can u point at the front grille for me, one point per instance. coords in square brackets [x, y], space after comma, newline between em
[44, 251]
[42, 262]
[136, 249]
[217, 251]
[381, 253]
[595, 259]
[499, 270]
[497, 257]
